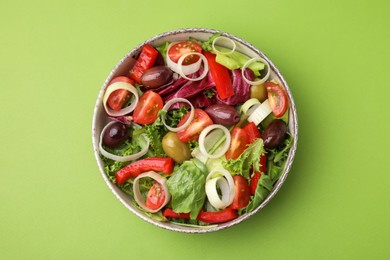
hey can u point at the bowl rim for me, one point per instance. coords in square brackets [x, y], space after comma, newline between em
[293, 126]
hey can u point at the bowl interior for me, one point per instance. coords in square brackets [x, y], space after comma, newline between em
[100, 120]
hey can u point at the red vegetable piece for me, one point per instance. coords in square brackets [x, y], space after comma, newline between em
[199, 122]
[241, 192]
[221, 77]
[157, 164]
[146, 111]
[145, 61]
[181, 48]
[169, 213]
[238, 144]
[156, 196]
[254, 133]
[277, 98]
[218, 216]
[207, 217]
[117, 99]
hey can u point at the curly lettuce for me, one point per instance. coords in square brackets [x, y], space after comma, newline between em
[248, 159]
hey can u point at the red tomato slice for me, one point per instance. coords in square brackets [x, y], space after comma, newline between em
[199, 122]
[277, 98]
[180, 48]
[155, 197]
[241, 192]
[118, 99]
[146, 111]
[238, 144]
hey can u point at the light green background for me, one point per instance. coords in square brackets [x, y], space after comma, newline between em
[54, 58]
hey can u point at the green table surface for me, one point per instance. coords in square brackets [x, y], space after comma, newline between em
[54, 58]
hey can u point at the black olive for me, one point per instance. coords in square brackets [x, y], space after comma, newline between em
[275, 133]
[223, 114]
[156, 76]
[115, 134]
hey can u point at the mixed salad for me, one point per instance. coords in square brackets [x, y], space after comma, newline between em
[197, 133]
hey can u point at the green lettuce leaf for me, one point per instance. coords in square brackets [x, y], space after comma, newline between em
[276, 159]
[155, 132]
[187, 187]
[248, 159]
[264, 187]
[163, 48]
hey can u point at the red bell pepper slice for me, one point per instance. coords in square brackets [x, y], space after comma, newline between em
[158, 164]
[218, 216]
[207, 217]
[252, 131]
[169, 213]
[145, 61]
[221, 77]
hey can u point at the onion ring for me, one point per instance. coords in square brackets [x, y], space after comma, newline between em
[226, 185]
[260, 113]
[166, 108]
[202, 58]
[202, 138]
[115, 86]
[157, 177]
[260, 81]
[225, 39]
[187, 69]
[250, 105]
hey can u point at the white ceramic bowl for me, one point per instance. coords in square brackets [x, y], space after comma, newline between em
[100, 119]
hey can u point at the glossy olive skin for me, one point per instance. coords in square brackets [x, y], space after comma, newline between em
[275, 133]
[115, 134]
[174, 148]
[223, 114]
[156, 76]
[259, 92]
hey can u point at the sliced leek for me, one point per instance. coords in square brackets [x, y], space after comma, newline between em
[220, 179]
[260, 113]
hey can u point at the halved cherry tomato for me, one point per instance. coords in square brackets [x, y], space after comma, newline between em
[180, 48]
[241, 192]
[117, 99]
[146, 111]
[277, 98]
[199, 122]
[238, 144]
[155, 197]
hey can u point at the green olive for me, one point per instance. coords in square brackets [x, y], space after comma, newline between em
[259, 92]
[174, 148]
